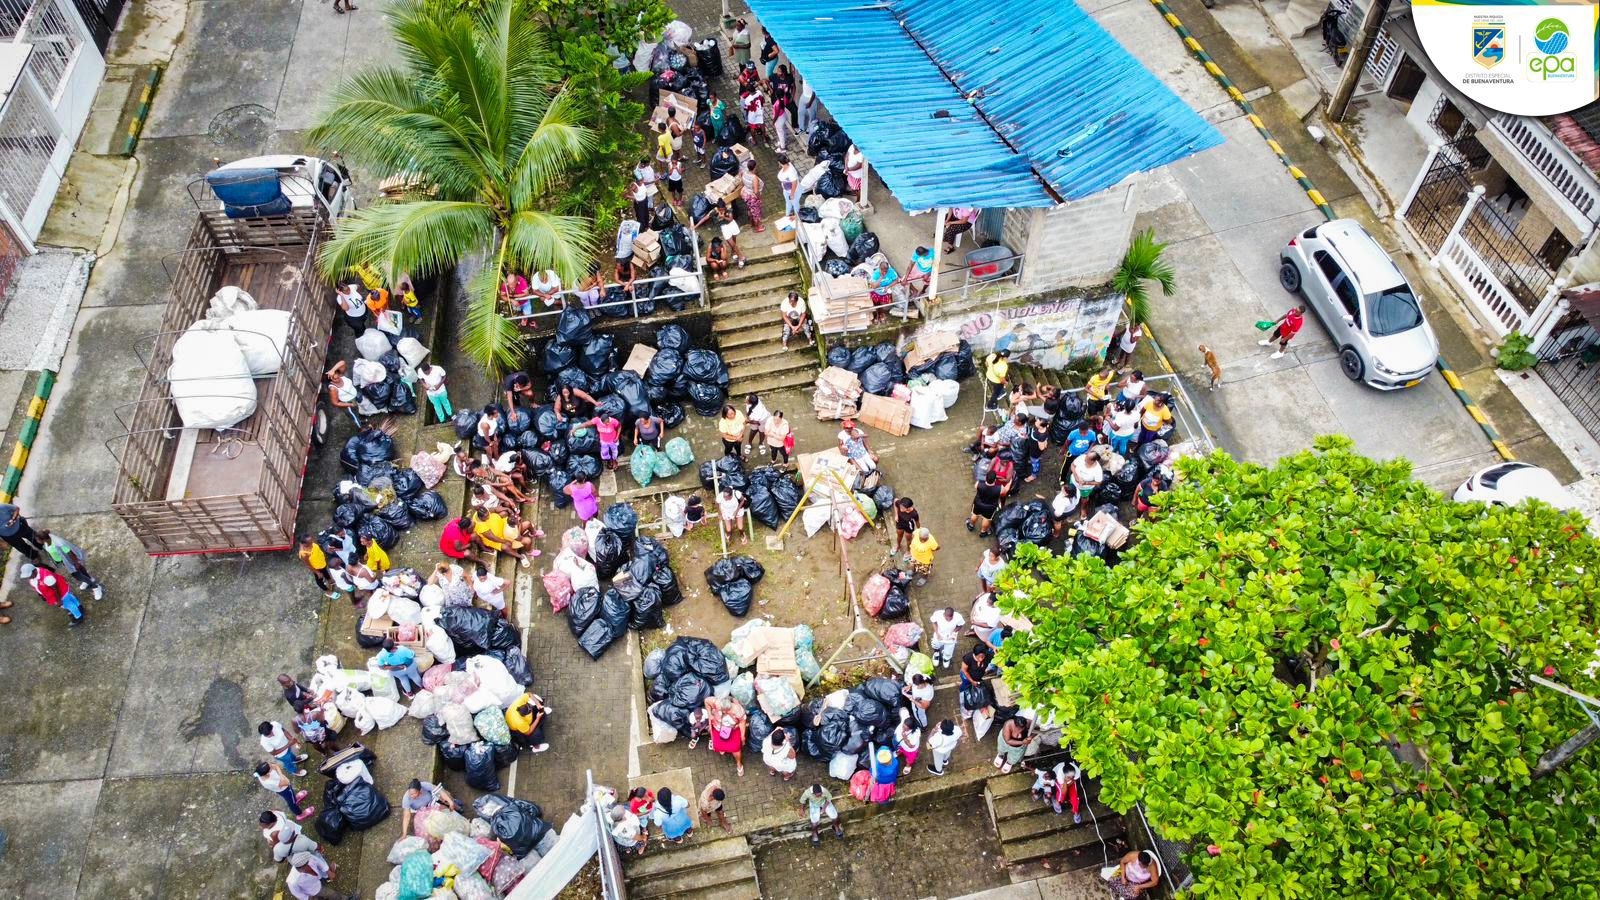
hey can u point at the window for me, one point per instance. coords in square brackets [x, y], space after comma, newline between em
[1342, 286]
[1491, 477]
[1330, 268]
[1394, 311]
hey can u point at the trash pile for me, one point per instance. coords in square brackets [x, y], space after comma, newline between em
[884, 594]
[773, 493]
[383, 499]
[945, 363]
[734, 580]
[350, 801]
[463, 704]
[827, 145]
[664, 251]
[468, 859]
[643, 583]
[930, 389]
[839, 492]
[838, 393]
[681, 678]
[838, 728]
[385, 372]
[764, 667]
[679, 371]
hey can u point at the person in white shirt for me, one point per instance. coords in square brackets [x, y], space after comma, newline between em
[989, 568]
[789, 184]
[941, 744]
[919, 691]
[755, 416]
[308, 873]
[490, 588]
[546, 285]
[796, 319]
[777, 751]
[985, 615]
[433, 384]
[1062, 506]
[731, 509]
[280, 745]
[283, 836]
[353, 307]
[946, 628]
[808, 107]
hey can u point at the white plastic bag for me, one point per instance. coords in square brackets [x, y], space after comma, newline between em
[412, 351]
[480, 700]
[842, 766]
[578, 570]
[366, 371]
[947, 390]
[432, 597]
[423, 705]
[439, 644]
[493, 677]
[385, 712]
[660, 731]
[352, 770]
[673, 512]
[373, 344]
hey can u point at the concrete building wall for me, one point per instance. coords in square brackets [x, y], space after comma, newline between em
[1079, 243]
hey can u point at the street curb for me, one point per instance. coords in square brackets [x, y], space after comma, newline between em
[26, 435]
[136, 127]
[1246, 107]
[1317, 199]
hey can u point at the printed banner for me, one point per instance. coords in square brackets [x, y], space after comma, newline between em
[1528, 59]
[1049, 335]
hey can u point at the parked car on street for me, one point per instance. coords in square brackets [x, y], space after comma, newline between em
[1510, 483]
[1372, 314]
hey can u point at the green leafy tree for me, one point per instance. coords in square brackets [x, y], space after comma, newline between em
[477, 120]
[1323, 670]
[1141, 265]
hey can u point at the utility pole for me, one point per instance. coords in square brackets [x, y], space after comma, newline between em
[1569, 748]
[1357, 60]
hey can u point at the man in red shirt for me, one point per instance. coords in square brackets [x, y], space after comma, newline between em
[53, 588]
[1284, 330]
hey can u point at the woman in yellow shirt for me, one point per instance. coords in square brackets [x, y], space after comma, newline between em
[494, 532]
[1153, 416]
[1098, 391]
[731, 427]
[377, 560]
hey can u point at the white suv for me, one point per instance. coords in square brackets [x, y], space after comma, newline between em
[1364, 301]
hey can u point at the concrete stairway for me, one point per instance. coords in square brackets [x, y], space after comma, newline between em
[723, 869]
[1030, 831]
[746, 323]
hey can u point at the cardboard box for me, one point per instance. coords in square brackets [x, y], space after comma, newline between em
[639, 359]
[1103, 528]
[930, 347]
[724, 188]
[742, 154]
[646, 249]
[784, 225]
[686, 106]
[886, 414]
[383, 626]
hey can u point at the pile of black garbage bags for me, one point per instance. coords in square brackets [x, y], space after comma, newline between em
[880, 367]
[387, 499]
[734, 581]
[519, 824]
[869, 715]
[356, 806]
[863, 248]
[690, 670]
[643, 584]
[679, 371]
[475, 632]
[829, 144]
[773, 493]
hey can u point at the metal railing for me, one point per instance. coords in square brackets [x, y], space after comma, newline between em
[557, 303]
[1549, 158]
[613, 883]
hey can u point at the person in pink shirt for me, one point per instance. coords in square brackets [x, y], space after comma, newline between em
[610, 429]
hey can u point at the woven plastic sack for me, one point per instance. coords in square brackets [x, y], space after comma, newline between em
[874, 592]
[511, 869]
[460, 851]
[803, 638]
[416, 876]
[743, 688]
[576, 540]
[679, 451]
[430, 470]
[491, 725]
[860, 784]
[404, 848]
[445, 822]
[558, 587]
[664, 467]
[642, 463]
[903, 634]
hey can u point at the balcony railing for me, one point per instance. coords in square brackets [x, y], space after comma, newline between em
[1549, 158]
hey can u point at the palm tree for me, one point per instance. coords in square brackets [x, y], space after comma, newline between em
[475, 121]
[1141, 265]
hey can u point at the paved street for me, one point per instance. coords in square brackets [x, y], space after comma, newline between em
[123, 766]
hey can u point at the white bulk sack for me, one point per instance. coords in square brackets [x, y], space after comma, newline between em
[926, 408]
[836, 241]
[263, 338]
[372, 344]
[210, 381]
[229, 300]
[947, 390]
[412, 351]
[366, 372]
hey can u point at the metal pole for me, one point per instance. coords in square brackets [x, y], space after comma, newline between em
[938, 253]
[866, 180]
[1371, 24]
[1569, 748]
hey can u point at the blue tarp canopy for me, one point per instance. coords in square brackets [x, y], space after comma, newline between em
[998, 103]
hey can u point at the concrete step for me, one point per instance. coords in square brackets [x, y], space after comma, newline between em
[749, 337]
[1021, 781]
[1085, 835]
[1042, 821]
[766, 317]
[769, 287]
[663, 861]
[772, 346]
[772, 365]
[1018, 805]
[728, 878]
[722, 306]
[757, 266]
[766, 383]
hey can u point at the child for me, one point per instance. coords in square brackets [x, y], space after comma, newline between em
[697, 136]
[408, 297]
[663, 143]
[694, 512]
[675, 179]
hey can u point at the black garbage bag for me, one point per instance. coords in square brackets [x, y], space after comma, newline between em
[675, 242]
[666, 581]
[701, 365]
[516, 664]
[883, 497]
[583, 467]
[702, 658]
[465, 423]
[370, 446]
[834, 729]
[721, 573]
[664, 367]
[599, 354]
[1151, 455]
[433, 732]
[839, 355]
[641, 569]
[673, 337]
[1061, 429]
[811, 745]
[503, 635]
[630, 388]
[947, 367]
[1083, 545]
[732, 131]
[557, 356]
[865, 244]
[723, 162]
[787, 494]
[966, 367]
[518, 825]
[895, 603]
[362, 806]
[614, 610]
[518, 422]
[676, 660]
[379, 530]
[836, 267]
[427, 506]
[608, 552]
[537, 461]
[810, 214]
[407, 484]
[379, 395]
[1036, 528]
[707, 398]
[736, 596]
[1009, 517]
[672, 414]
[628, 587]
[366, 641]
[831, 185]
[646, 547]
[396, 515]
[878, 379]
[583, 610]
[662, 218]
[454, 756]
[856, 742]
[584, 441]
[730, 473]
[481, 771]
[573, 327]
[656, 392]
[557, 481]
[700, 205]
[576, 379]
[598, 638]
[370, 473]
[862, 359]
[821, 137]
[689, 692]
[647, 611]
[547, 424]
[757, 727]
[884, 690]
[884, 350]
[468, 627]
[330, 825]
[866, 710]
[749, 569]
[345, 515]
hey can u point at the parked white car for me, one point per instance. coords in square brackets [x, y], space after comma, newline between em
[1372, 314]
[1510, 483]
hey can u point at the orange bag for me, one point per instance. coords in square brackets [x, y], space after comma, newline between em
[861, 785]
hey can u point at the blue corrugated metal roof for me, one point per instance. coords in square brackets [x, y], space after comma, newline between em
[1058, 102]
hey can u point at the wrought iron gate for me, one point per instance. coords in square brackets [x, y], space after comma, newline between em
[1439, 199]
[1572, 370]
[101, 17]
